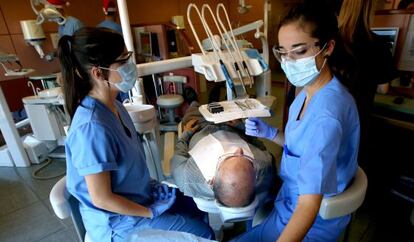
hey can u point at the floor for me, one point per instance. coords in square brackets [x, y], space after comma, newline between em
[26, 214]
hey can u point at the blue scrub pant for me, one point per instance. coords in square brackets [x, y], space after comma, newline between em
[266, 231]
[182, 216]
[272, 227]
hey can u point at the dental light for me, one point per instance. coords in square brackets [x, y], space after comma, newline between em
[33, 35]
[9, 59]
[243, 8]
[49, 13]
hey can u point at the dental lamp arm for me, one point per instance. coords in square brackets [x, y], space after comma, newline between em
[262, 37]
[246, 28]
[32, 4]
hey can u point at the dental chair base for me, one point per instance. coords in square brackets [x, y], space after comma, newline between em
[169, 102]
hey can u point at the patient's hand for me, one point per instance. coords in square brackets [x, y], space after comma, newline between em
[234, 123]
[191, 126]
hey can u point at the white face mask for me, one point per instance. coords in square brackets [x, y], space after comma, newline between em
[303, 71]
[129, 75]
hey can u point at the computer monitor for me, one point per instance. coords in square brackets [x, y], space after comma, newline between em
[389, 34]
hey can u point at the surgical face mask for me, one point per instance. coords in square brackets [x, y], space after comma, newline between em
[129, 75]
[303, 71]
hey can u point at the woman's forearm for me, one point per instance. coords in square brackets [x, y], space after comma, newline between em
[302, 219]
[280, 138]
[100, 190]
[121, 205]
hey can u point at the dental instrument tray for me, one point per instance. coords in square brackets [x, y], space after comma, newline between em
[208, 65]
[220, 112]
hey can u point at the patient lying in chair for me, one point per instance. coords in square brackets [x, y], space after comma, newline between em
[217, 161]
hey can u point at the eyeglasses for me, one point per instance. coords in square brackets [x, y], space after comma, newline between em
[295, 53]
[121, 59]
[124, 57]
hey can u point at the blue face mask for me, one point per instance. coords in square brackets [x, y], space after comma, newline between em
[303, 71]
[129, 75]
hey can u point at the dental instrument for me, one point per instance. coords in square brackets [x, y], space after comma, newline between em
[232, 38]
[235, 63]
[208, 32]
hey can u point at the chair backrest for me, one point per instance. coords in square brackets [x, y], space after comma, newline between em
[65, 205]
[177, 82]
[59, 198]
[348, 201]
[232, 215]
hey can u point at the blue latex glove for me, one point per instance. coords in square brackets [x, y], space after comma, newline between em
[256, 127]
[159, 191]
[163, 203]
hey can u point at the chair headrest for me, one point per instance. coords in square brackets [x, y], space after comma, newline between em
[234, 214]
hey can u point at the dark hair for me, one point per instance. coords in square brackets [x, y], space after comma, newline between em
[86, 48]
[318, 17]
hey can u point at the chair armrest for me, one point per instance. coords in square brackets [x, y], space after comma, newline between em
[169, 145]
[180, 129]
[59, 199]
[346, 202]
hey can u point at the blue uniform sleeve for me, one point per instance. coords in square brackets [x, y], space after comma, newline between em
[70, 27]
[93, 149]
[317, 173]
[76, 25]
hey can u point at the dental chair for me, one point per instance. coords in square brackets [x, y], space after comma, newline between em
[65, 205]
[211, 206]
[340, 205]
[346, 202]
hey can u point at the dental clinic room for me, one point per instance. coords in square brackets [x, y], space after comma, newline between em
[206, 120]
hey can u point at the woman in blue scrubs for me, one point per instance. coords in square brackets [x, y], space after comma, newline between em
[106, 167]
[322, 134]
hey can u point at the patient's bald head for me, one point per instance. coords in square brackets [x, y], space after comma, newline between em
[234, 181]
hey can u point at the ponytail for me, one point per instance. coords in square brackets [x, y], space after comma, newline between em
[87, 47]
[71, 96]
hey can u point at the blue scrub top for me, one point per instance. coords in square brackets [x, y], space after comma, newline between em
[97, 142]
[320, 155]
[72, 24]
[110, 25]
